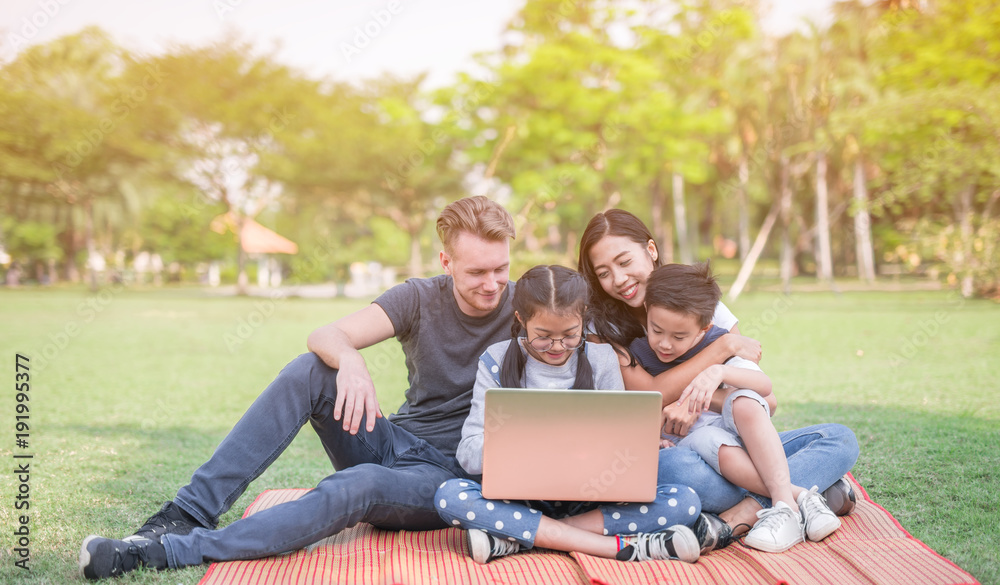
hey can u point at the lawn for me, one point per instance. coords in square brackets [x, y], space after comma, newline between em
[130, 391]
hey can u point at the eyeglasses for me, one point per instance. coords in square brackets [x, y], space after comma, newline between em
[569, 343]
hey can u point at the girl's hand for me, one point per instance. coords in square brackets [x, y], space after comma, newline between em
[677, 420]
[698, 393]
[666, 443]
[747, 348]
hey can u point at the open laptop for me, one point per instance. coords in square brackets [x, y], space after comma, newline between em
[571, 445]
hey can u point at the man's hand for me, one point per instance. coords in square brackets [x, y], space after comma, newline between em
[698, 393]
[677, 420]
[747, 348]
[356, 397]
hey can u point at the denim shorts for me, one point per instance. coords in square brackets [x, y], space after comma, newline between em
[707, 440]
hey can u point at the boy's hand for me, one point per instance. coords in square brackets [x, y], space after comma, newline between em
[747, 348]
[698, 393]
[677, 420]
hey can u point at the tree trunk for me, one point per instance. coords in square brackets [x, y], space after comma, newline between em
[680, 219]
[656, 200]
[787, 254]
[862, 226]
[758, 246]
[416, 262]
[241, 258]
[965, 260]
[88, 235]
[824, 257]
[743, 208]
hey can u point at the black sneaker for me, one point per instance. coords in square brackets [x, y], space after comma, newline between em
[713, 533]
[840, 497]
[486, 547]
[101, 557]
[171, 519]
[677, 542]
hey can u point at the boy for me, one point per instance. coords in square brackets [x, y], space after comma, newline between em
[741, 444]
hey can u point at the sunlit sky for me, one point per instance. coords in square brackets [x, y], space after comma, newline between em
[436, 36]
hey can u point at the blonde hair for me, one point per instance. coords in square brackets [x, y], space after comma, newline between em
[476, 215]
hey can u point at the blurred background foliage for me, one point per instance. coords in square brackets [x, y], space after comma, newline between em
[860, 149]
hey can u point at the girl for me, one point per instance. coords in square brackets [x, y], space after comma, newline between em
[617, 255]
[547, 350]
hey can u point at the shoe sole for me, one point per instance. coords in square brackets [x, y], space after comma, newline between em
[84, 560]
[479, 548]
[825, 531]
[686, 545]
[770, 547]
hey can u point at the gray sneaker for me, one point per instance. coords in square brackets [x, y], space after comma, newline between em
[101, 558]
[712, 532]
[840, 497]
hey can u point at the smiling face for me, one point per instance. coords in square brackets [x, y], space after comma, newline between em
[622, 266]
[672, 334]
[480, 269]
[556, 326]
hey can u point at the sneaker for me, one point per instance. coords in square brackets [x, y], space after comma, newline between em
[171, 519]
[817, 517]
[840, 497]
[677, 542]
[713, 533]
[486, 547]
[101, 558]
[777, 529]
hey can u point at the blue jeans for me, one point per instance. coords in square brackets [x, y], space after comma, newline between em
[818, 455]
[386, 477]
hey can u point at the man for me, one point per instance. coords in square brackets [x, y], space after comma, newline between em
[387, 472]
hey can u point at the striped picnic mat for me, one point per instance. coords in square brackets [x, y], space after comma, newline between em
[871, 548]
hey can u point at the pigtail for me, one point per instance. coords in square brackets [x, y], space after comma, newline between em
[514, 360]
[584, 371]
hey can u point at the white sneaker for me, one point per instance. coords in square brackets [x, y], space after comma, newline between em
[777, 529]
[485, 547]
[819, 520]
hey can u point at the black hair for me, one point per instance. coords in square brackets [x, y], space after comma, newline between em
[683, 288]
[553, 288]
[612, 319]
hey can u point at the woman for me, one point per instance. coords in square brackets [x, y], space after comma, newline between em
[617, 254]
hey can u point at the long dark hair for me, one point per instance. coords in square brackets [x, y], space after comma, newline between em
[611, 319]
[551, 288]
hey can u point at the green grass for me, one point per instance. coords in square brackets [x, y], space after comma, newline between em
[129, 402]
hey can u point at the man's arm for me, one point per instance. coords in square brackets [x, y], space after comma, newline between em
[337, 344]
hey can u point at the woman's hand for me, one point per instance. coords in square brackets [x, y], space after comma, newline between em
[677, 420]
[698, 394]
[747, 348]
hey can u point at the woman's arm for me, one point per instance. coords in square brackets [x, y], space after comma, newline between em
[672, 382]
[700, 391]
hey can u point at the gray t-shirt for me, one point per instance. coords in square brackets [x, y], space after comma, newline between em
[441, 345]
[537, 375]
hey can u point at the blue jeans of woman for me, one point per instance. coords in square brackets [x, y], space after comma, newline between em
[818, 455]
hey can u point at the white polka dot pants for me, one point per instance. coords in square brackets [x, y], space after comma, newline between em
[460, 503]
